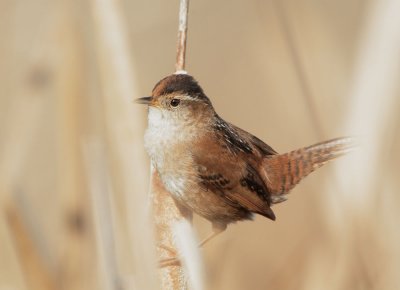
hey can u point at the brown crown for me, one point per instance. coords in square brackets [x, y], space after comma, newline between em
[179, 83]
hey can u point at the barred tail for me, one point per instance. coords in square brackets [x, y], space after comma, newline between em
[284, 171]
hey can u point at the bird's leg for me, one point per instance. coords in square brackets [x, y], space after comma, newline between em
[169, 262]
[174, 261]
[217, 228]
[168, 249]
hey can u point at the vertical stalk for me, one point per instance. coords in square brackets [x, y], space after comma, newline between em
[182, 33]
[166, 212]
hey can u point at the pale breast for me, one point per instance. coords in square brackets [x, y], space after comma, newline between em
[169, 150]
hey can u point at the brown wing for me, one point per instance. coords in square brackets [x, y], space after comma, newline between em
[252, 193]
[257, 144]
[232, 175]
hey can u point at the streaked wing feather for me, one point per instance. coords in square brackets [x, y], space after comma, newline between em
[232, 177]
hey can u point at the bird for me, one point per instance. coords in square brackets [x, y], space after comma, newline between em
[214, 168]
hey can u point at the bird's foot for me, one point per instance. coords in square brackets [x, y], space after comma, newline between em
[169, 262]
[173, 261]
[170, 250]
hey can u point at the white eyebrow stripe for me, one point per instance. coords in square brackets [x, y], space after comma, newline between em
[188, 97]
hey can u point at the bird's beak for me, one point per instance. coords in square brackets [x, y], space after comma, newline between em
[144, 100]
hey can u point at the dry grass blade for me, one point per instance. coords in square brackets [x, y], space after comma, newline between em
[182, 32]
[37, 273]
[102, 215]
[124, 130]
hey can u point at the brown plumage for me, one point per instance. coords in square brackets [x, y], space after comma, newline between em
[214, 168]
[287, 170]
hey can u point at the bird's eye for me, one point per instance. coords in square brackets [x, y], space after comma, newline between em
[175, 102]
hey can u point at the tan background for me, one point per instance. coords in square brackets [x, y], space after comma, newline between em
[244, 54]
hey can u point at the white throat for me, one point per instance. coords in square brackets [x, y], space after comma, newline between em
[164, 133]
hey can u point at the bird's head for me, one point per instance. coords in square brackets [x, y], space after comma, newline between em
[180, 98]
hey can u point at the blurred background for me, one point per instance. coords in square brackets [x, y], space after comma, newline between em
[74, 175]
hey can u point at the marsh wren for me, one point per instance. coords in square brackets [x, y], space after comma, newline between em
[214, 168]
